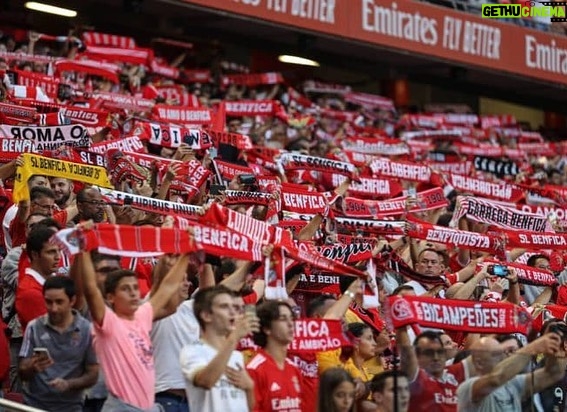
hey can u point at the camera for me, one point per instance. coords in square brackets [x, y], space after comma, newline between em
[498, 270]
[247, 179]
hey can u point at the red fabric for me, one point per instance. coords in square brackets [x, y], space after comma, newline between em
[149, 92]
[274, 385]
[250, 299]
[430, 394]
[308, 366]
[561, 295]
[4, 352]
[143, 269]
[17, 228]
[29, 300]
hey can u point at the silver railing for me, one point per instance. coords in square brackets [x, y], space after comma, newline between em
[9, 406]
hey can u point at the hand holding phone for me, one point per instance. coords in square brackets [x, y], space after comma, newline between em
[43, 359]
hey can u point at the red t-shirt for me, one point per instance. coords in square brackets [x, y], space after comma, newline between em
[275, 389]
[17, 228]
[29, 299]
[432, 395]
[308, 366]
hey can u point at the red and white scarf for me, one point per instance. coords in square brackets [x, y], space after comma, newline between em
[240, 141]
[49, 137]
[115, 101]
[456, 238]
[172, 136]
[387, 147]
[292, 161]
[151, 205]
[252, 79]
[380, 227]
[492, 213]
[252, 108]
[459, 315]
[427, 200]
[127, 144]
[10, 149]
[181, 114]
[492, 190]
[109, 40]
[402, 170]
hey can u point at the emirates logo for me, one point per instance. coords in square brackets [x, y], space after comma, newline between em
[401, 310]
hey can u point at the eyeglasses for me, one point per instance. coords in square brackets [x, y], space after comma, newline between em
[45, 207]
[431, 352]
[97, 203]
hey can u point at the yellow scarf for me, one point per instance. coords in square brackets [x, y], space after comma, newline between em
[40, 165]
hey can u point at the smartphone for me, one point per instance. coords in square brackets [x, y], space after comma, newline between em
[250, 310]
[42, 352]
[216, 190]
[247, 179]
[498, 270]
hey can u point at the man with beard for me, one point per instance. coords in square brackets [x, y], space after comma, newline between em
[90, 206]
[57, 377]
[63, 190]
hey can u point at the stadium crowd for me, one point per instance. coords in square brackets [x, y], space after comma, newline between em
[218, 240]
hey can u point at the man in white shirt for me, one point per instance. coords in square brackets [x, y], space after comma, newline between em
[216, 379]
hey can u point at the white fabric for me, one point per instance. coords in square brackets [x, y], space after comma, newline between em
[8, 217]
[223, 396]
[169, 335]
[34, 274]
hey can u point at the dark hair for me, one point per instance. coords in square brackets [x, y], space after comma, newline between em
[328, 382]
[37, 238]
[267, 312]
[48, 222]
[82, 194]
[357, 328]
[39, 192]
[114, 278]
[430, 249]
[402, 288]
[509, 336]
[317, 303]
[203, 300]
[60, 282]
[533, 258]
[428, 334]
[98, 257]
[378, 382]
[462, 354]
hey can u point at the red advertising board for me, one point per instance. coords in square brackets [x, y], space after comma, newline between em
[419, 28]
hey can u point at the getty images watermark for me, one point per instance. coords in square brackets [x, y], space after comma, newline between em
[555, 10]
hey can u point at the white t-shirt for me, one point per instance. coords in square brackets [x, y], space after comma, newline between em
[8, 217]
[224, 396]
[169, 335]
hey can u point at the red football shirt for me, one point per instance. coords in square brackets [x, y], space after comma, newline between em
[275, 389]
[309, 368]
[29, 298]
[437, 395]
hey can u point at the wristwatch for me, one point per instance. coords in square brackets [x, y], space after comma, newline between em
[350, 294]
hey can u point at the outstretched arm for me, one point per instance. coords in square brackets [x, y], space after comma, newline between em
[93, 295]
[168, 288]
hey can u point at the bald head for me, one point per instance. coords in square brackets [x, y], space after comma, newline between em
[486, 354]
